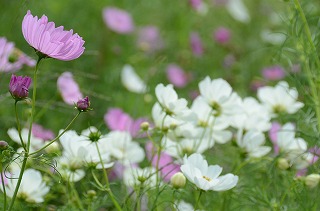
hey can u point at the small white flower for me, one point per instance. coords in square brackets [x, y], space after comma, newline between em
[132, 81]
[35, 143]
[279, 99]
[133, 177]
[32, 188]
[252, 143]
[123, 148]
[205, 177]
[183, 206]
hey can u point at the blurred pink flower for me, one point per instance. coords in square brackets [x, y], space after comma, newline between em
[149, 39]
[39, 132]
[195, 4]
[50, 41]
[118, 20]
[118, 170]
[166, 165]
[229, 61]
[177, 76]
[116, 119]
[196, 44]
[256, 84]
[68, 88]
[222, 35]
[275, 127]
[12, 59]
[273, 73]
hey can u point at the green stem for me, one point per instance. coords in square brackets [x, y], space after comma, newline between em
[315, 57]
[76, 196]
[198, 200]
[116, 204]
[19, 126]
[4, 188]
[24, 163]
[56, 138]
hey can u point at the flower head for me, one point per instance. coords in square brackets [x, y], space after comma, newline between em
[118, 20]
[222, 35]
[50, 41]
[177, 76]
[205, 177]
[19, 87]
[273, 73]
[196, 44]
[149, 39]
[68, 88]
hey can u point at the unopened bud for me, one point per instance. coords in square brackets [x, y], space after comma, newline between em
[83, 104]
[312, 180]
[53, 148]
[283, 163]
[91, 193]
[145, 126]
[3, 145]
[178, 180]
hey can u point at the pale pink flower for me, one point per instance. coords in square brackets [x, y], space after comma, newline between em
[39, 132]
[116, 119]
[149, 39]
[177, 76]
[12, 59]
[50, 41]
[275, 128]
[273, 73]
[196, 44]
[222, 35]
[166, 165]
[68, 88]
[118, 20]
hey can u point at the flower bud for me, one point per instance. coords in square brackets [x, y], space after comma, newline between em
[178, 180]
[283, 163]
[144, 126]
[19, 87]
[91, 193]
[83, 104]
[53, 148]
[312, 180]
[3, 145]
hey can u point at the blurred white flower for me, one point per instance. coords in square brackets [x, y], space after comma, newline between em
[238, 10]
[123, 149]
[272, 37]
[183, 206]
[132, 81]
[35, 143]
[133, 177]
[32, 188]
[252, 143]
[280, 98]
[205, 177]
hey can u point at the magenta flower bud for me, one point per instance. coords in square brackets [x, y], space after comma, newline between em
[273, 73]
[222, 35]
[19, 87]
[50, 41]
[83, 104]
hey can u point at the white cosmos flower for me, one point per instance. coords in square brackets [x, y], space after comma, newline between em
[280, 98]
[220, 97]
[32, 188]
[252, 142]
[238, 10]
[253, 117]
[271, 37]
[183, 206]
[132, 81]
[123, 148]
[170, 103]
[35, 143]
[205, 177]
[135, 176]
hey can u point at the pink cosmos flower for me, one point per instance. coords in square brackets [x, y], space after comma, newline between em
[222, 35]
[273, 73]
[68, 88]
[196, 44]
[275, 127]
[149, 39]
[39, 132]
[177, 76]
[118, 20]
[50, 41]
[12, 59]
[166, 165]
[195, 4]
[116, 119]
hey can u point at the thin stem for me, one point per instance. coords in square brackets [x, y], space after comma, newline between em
[24, 163]
[198, 200]
[314, 54]
[116, 204]
[76, 196]
[56, 138]
[19, 126]
[4, 189]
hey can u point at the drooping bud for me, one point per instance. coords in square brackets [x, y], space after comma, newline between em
[178, 180]
[144, 126]
[283, 163]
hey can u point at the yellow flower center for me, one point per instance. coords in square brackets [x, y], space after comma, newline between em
[206, 178]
